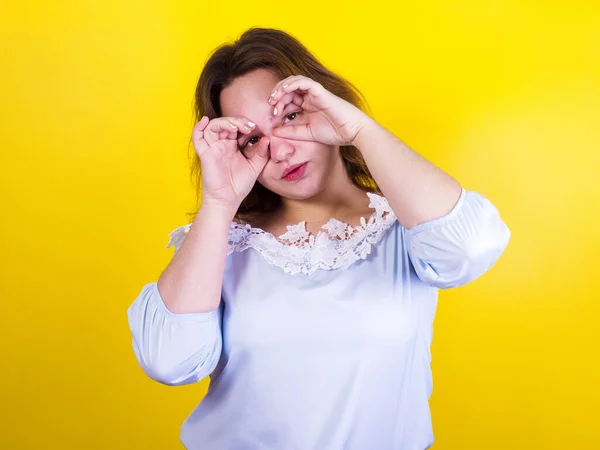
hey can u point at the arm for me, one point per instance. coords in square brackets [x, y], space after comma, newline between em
[452, 236]
[460, 246]
[417, 190]
[193, 279]
[173, 349]
[176, 322]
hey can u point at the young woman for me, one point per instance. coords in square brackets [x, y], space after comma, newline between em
[306, 285]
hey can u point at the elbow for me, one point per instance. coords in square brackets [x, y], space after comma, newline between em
[461, 246]
[474, 259]
[171, 376]
[173, 349]
[167, 374]
[165, 369]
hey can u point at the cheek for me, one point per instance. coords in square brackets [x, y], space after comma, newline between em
[262, 179]
[320, 155]
[315, 151]
[323, 155]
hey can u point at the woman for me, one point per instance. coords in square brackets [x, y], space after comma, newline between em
[306, 285]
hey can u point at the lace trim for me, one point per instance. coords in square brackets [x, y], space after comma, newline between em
[298, 251]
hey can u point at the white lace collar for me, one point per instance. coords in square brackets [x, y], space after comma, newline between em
[298, 251]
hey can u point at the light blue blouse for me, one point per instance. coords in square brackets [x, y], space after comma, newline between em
[319, 343]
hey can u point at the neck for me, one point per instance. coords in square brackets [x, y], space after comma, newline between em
[338, 200]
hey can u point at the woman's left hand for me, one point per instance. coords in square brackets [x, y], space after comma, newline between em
[329, 119]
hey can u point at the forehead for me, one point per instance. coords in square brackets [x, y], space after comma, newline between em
[247, 96]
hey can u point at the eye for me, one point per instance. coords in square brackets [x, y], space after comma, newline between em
[252, 141]
[292, 116]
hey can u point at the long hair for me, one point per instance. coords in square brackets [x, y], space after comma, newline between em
[284, 55]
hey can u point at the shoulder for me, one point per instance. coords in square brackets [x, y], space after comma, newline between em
[239, 231]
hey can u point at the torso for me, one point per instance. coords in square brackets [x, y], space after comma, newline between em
[315, 325]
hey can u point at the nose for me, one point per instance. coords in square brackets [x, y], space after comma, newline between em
[281, 149]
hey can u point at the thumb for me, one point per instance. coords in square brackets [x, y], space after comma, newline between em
[258, 155]
[297, 132]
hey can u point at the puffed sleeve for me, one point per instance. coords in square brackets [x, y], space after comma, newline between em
[460, 246]
[173, 348]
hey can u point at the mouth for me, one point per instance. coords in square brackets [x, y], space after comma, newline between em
[292, 170]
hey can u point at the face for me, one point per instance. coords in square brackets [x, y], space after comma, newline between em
[247, 97]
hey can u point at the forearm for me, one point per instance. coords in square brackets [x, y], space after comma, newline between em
[192, 281]
[417, 190]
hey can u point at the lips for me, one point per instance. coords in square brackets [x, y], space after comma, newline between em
[291, 169]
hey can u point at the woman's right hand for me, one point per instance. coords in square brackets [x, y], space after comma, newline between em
[228, 175]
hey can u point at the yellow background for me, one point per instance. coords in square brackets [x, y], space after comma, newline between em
[96, 100]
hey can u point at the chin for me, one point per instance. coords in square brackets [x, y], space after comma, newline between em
[302, 190]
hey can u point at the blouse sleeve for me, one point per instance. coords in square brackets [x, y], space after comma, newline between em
[461, 246]
[174, 348]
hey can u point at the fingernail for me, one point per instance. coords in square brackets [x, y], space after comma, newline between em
[232, 125]
[275, 112]
[251, 123]
[285, 85]
[273, 94]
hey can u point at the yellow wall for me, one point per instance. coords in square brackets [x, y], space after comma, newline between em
[96, 116]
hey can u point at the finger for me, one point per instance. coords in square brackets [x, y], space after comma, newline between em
[287, 99]
[227, 128]
[243, 124]
[258, 155]
[198, 136]
[277, 90]
[203, 123]
[219, 128]
[198, 130]
[303, 84]
[295, 132]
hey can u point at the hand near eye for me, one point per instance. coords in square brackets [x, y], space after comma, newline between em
[228, 175]
[329, 119]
